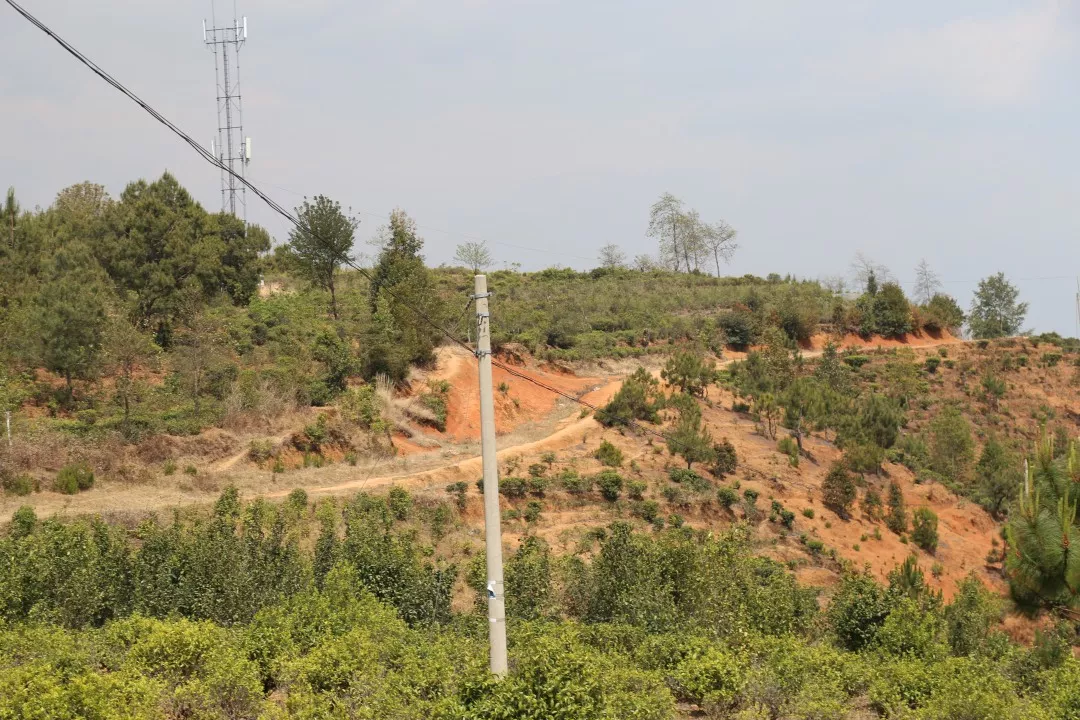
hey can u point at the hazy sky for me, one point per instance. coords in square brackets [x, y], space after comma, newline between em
[944, 130]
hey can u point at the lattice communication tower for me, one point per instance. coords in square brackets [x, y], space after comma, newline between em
[230, 146]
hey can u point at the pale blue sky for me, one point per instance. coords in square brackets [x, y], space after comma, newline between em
[944, 130]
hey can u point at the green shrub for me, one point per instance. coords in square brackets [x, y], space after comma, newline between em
[169, 467]
[260, 451]
[73, 478]
[574, 483]
[399, 501]
[610, 484]
[537, 470]
[609, 455]
[856, 361]
[459, 492]
[726, 459]
[808, 513]
[532, 511]
[18, 485]
[647, 510]
[858, 610]
[712, 680]
[691, 479]
[636, 489]
[924, 524]
[513, 487]
[727, 496]
[191, 470]
[931, 364]
[789, 447]
[538, 485]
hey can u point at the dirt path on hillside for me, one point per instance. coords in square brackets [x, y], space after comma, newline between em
[547, 423]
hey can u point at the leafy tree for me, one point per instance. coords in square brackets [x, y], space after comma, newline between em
[691, 373]
[70, 314]
[952, 448]
[942, 312]
[838, 491]
[404, 301]
[998, 475]
[892, 313]
[126, 350]
[969, 618]
[199, 348]
[529, 580]
[689, 439]
[474, 255]
[995, 311]
[322, 242]
[858, 610]
[628, 582]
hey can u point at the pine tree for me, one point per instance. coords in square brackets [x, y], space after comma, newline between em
[1042, 560]
[689, 439]
[838, 490]
[70, 314]
[896, 517]
[401, 287]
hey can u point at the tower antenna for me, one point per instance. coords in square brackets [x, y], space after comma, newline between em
[230, 146]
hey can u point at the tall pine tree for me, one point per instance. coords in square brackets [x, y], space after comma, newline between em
[1042, 561]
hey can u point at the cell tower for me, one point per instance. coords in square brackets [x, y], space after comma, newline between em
[230, 146]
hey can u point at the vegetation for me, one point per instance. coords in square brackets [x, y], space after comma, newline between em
[838, 490]
[996, 311]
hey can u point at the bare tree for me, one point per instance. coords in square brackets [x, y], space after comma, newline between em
[474, 255]
[862, 268]
[720, 241]
[611, 256]
[646, 263]
[927, 282]
[666, 225]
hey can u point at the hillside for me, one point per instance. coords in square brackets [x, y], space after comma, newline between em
[240, 485]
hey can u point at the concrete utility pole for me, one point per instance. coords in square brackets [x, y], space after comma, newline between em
[492, 518]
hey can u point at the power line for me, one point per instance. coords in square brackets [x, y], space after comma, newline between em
[209, 157]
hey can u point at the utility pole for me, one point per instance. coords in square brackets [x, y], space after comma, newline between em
[492, 518]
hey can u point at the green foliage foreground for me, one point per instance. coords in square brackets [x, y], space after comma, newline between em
[230, 616]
